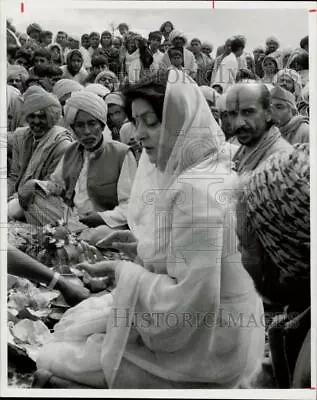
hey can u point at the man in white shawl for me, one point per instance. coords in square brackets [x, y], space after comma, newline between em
[186, 316]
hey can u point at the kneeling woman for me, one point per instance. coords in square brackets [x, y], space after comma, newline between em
[179, 317]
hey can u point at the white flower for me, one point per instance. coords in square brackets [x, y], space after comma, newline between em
[52, 240]
[61, 222]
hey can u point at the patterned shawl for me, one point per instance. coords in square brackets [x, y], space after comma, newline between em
[278, 209]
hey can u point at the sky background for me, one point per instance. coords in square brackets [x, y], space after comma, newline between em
[207, 24]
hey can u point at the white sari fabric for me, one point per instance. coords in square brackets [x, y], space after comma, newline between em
[189, 316]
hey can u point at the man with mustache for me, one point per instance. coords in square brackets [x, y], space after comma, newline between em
[36, 148]
[95, 176]
[250, 118]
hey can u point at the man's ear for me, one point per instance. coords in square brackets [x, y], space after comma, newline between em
[269, 114]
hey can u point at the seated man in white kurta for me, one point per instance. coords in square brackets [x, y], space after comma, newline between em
[95, 176]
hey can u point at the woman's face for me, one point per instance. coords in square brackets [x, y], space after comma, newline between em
[76, 63]
[287, 83]
[147, 127]
[269, 66]
[168, 28]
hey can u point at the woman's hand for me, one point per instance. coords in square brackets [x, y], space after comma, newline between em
[123, 241]
[73, 294]
[103, 268]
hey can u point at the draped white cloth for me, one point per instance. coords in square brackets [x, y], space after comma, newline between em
[191, 302]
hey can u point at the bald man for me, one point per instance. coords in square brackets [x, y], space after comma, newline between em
[249, 115]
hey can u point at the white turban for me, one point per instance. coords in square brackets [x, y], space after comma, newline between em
[210, 94]
[87, 101]
[66, 86]
[174, 34]
[115, 98]
[37, 99]
[98, 89]
[17, 70]
[222, 103]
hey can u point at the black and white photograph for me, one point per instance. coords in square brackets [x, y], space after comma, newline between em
[155, 208]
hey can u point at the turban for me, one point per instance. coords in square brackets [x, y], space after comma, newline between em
[207, 44]
[272, 39]
[87, 101]
[115, 98]
[98, 89]
[37, 99]
[283, 95]
[292, 75]
[66, 86]
[33, 27]
[222, 103]
[17, 70]
[278, 209]
[14, 105]
[106, 74]
[177, 34]
[210, 94]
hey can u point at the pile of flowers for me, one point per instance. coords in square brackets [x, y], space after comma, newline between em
[59, 248]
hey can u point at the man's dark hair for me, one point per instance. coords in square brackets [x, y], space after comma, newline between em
[236, 44]
[301, 59]
[155, 35]
[123, 24]
[43, 71]
[265, 97]
[45, 34]
[12, 50]
[195, 40]
[42, 53]
[152, 89]
[162, 28]
[98, 61]
[304, 42]
[23, 53]
[84, 36]
[62, 33]
[94, 34]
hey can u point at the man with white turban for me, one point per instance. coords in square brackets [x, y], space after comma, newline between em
[64, 88]
[95, 176]
[36, 148]
[17, 76]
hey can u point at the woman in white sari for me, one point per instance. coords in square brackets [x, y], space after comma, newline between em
[187, 314]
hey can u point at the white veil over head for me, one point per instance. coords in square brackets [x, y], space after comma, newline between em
[189, 133]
